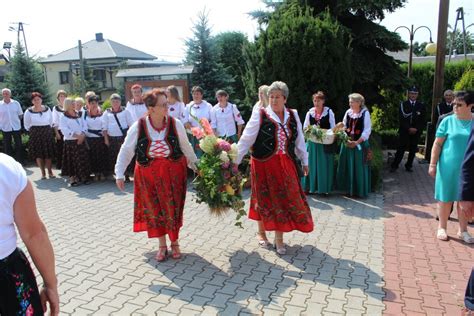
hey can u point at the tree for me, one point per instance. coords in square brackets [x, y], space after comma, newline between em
[89, 83]
[229, 46]
[419, 50]
[372, 69]
[458, 43]
[201, 52]
[25, 77]
[308, 54]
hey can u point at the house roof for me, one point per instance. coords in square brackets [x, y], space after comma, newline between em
[154, 71]
[99, 48]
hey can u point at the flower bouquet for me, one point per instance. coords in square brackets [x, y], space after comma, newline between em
[219, 181]
[340, 133]
[319, 135]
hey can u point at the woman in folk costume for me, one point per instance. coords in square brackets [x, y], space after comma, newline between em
[262, 98]
[98, 150]
[116, 122]
[75, 154]
[38, 121]
[353, 170]
[176, 107]
[321, 157]
[162, 153]
[58, 112]
[277, 202]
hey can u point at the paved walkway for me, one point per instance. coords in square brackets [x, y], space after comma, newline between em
[104, 268]
[423, 276]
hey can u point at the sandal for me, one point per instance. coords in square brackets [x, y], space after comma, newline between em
[52, 176]
[73, 184]
[442, 235]
[280, 250]
[466, 237]
[43, 177]
[175, 251]
[262, 239]
[161, 255]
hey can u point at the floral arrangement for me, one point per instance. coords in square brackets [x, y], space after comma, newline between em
[319, 135]
[219, 181]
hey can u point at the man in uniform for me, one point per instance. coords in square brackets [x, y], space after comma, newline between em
[411, 123]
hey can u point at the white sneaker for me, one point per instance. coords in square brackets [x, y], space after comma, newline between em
[442, 235]
[466, 237]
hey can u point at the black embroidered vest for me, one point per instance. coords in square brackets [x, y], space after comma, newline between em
[323, 121]
[357, 124]
[266, 144]
[144, 142]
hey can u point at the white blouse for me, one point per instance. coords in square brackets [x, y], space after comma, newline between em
[71, 126]
[158, 147]
[95, 123]
[367, 123]
[201, 110]
[177, 110]
[326, 111]
[110, 123]
[224, 119]
[10, 114]
[57, 116]
[253, 127]
[12, 182]
[136, 110]
[43, 118]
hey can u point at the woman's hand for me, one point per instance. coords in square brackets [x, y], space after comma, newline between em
[351, 144]
[50, 295]
[432, 170]
[120, 184]
[305, 170]
[107, 142]
[58, 137]
[80, 139]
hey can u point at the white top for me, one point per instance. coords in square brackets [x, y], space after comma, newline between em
[127, 151]
[177, 110]
[367, 124]
[136, 110]
[44, 118]
[70, 126]
[110, 123]
[57, 116]
[224, 119]
[95, 123]
[10, 114]
[257, 106]
[253, 127]
[326, 111]
[12, 182]
[201, 110]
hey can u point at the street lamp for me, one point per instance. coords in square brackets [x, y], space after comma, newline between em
[412, 36]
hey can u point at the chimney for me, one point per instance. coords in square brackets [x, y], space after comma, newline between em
[99, 37]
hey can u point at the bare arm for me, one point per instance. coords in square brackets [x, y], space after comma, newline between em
[34, 235]
[435, 152]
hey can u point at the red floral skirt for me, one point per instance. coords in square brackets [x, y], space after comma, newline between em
[277, 196]
[160, 191]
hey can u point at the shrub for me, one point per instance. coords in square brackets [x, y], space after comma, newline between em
[376, 165]
[106, 105]
[467, 81]
[389, 138]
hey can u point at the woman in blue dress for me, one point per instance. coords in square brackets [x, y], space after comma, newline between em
[321, 157]
[445, 165]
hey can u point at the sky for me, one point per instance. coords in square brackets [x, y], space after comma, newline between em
[160, 27]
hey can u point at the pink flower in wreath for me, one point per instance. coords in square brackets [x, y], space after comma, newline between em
[223, 145]
[225, 165]
[197, 132]
[206, 126]
[30, 310]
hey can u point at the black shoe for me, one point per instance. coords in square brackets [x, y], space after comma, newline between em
[392, 170]
[408, 169]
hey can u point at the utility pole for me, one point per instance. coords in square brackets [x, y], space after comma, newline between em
[438, 81]
[81, 64]
[459, 16]
[19, 29]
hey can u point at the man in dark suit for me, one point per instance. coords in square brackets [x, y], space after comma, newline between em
[466, 195]
[411, 123]
[445, 106]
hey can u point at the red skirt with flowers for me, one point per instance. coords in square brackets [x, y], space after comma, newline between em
[160, 191]
[277, 196]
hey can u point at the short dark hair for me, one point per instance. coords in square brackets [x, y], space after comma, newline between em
[92, 98]
[221, 93]
[36, 94]
[469, 97]
[197, 89]
[151, 97]
[137, 86]
[319, 95]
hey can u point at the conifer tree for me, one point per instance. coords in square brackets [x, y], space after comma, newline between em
[25, 77]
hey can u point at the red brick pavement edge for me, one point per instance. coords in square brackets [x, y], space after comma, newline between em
[422, 275]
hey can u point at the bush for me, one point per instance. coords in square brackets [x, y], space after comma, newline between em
[376, 165]
[467, 81]
[389, 138]
[106, 105]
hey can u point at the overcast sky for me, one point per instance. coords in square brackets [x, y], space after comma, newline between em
[160, 27]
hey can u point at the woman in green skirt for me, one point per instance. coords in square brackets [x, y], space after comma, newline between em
[321, 157]
[353, 171]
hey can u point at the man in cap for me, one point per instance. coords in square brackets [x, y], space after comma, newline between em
[411, 123]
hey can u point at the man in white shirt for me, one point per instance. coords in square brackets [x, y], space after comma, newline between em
[10, 124]
[225, 116]
[135, 106]
[198, 108]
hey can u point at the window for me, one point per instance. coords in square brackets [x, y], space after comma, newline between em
[99, 75]
[2, 78]
[63, 77]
